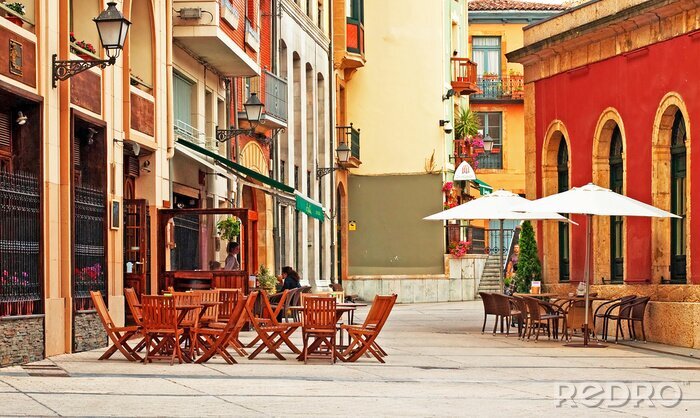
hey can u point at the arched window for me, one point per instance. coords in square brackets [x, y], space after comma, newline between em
[616, 222]
[562, 186]
[678, 199]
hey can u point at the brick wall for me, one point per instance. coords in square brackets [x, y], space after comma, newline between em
[21, 340]
[88, 332]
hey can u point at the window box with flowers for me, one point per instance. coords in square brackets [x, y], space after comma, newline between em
[85, 50]
[14, 12]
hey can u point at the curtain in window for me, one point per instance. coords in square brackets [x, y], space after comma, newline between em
[486, 52]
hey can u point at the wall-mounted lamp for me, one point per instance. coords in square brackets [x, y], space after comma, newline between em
[450, 93]
[146, 166]
[90, 136]
[446, 126]
[112, 27]
[21, 118]
[135, 147]
[488, 144]
[342, 153]
[253, 111]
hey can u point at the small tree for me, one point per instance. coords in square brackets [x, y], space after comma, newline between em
[529, 267]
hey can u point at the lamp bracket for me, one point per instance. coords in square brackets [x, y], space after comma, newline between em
[320, 172]
[223, 135]
[65, 69]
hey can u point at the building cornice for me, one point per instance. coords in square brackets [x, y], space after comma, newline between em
[607, 26]
[510, 16]
[306, 24]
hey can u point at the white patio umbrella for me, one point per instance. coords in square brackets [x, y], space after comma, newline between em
[592, 200]
[495, 206]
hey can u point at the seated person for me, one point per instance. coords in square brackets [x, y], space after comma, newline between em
[290, 279]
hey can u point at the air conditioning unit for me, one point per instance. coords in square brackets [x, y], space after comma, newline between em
[191, 13]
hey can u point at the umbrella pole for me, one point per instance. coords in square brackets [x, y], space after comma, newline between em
[587, 273]
[500, 268]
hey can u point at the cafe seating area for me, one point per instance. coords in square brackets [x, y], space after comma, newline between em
[563, 316]
[197, 325]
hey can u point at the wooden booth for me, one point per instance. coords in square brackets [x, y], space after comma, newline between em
[191, 255]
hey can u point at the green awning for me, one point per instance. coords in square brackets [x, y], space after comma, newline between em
[483, 187]
[303, 203]
[237, 167]
[309, 207]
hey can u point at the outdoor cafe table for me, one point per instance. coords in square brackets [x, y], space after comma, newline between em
[575, 312]
[538, 295]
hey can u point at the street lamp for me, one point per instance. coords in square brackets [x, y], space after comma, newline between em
[342, 154]
[112, 27]
[488, 144]
[253, 112]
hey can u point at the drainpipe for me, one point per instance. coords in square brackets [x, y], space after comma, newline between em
[274, 146]
[275, 43]
[331, 131]
[170, 116]
[236, 149]
[227, 118]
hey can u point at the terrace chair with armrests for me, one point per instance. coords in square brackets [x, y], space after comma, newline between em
[506, 310]
[118, 335]
[543, 314]
[605, 309]
[363, 337]
[631, 312]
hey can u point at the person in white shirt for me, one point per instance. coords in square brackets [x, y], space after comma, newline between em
[232, 259]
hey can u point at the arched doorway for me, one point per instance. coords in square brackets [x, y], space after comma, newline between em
[678, 199]
[555, 178]
[616, 222]
[670, 177]
[341, 232]
[562, 186]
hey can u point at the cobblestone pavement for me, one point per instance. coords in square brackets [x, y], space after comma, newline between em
[439, 364]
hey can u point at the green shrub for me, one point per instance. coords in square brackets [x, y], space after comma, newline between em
[529, 267]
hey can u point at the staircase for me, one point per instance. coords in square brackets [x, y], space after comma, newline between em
[490, 278]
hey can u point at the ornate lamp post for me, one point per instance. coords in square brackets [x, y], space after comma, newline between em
[253, 111]
[342, 154]
[112, 27]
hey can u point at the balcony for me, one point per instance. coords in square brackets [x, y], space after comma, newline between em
[274, 97]
[464, 76]
[20, 13]
[207, 28]
[350, 135]
[475, 155]
[494, 87]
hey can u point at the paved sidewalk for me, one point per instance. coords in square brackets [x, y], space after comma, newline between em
[439, 364]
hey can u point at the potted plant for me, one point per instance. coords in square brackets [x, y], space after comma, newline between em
[466, 124]
[266, 280]
[490, 76]
[229, 228]
[459, 249]
[529, 267]
[518, 93]
[18, 9]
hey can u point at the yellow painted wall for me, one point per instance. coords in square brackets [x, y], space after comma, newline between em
[512, 176]
[396, 99]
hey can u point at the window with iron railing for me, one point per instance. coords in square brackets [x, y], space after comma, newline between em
[486, 53]
[355, 32]
[492, 125]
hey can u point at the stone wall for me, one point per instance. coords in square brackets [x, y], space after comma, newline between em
[21, 339]
[88, 332]
[672, 316]
[459, 283]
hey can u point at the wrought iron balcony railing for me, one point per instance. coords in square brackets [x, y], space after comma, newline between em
[500, 87]
[351, 136]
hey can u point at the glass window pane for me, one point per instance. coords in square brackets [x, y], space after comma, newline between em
[486, 41]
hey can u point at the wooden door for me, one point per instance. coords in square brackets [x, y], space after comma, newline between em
[136, 251]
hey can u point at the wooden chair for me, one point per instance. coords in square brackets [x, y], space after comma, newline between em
[216, 340]
[297, 302]
[132, 301]
[271, 332]
[319, 325]
[362, 338]
[228, 299]
[211, 314]
[118, 335]
[279, 298]
[489, 309]
[190, 323]
[160, 321]
[292, 299]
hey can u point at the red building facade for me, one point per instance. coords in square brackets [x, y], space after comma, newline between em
[612, 98]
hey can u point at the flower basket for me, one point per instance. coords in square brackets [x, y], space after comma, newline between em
[15, 19]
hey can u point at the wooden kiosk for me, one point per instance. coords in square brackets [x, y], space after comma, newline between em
[190, 225]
